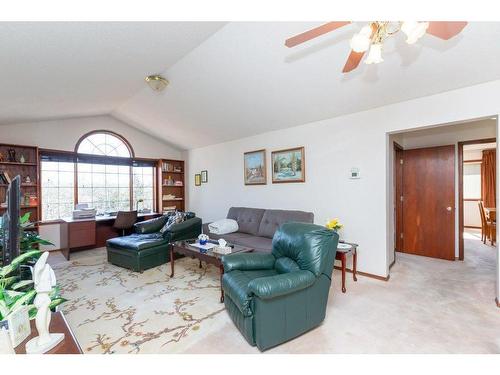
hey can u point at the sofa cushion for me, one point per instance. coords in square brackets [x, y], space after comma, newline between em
[150, 226]
[137, 242]
[260, 244]
[235, 285]
[273, 219]
[248, 218]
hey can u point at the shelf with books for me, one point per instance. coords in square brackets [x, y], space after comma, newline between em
[171, 196]
[21, 160]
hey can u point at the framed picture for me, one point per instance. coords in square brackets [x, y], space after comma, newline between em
[197, 179]
[255, 167]
[288, 165]
[204, 177]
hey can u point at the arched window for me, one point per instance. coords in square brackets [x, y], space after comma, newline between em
[107, 177]
[104, 143]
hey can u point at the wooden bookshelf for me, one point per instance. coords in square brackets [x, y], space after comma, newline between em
[171, 172]
[30, 167]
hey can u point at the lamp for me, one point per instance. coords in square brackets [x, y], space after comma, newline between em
[156, 82]
[360, 42]
[414, 30]
[375, 54]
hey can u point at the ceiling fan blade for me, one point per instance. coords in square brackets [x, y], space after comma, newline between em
[352, 61]
[445, 30]
[314, 33]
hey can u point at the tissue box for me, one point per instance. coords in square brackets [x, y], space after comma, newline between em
[222, 250]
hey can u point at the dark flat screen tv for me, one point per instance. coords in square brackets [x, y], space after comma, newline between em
[10, 222]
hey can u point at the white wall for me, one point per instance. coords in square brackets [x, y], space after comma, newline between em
[333, 146]
[63, 135]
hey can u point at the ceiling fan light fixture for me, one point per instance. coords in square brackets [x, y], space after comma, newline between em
[156, 82]
[414, 30]
[375, 54]
[360, 42]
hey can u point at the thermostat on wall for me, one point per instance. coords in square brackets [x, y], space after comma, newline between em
[354, 173]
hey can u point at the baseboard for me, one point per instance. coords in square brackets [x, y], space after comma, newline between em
[366, 274]
[498, 303]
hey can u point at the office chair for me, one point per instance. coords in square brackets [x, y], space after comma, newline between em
[125, 220]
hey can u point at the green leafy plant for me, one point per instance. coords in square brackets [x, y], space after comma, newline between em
[15, 292]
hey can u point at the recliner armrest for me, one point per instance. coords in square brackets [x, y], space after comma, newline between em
[282, 284]
[248, 261]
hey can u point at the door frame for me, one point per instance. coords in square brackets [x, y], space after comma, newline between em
[397, 174]
[461, 190]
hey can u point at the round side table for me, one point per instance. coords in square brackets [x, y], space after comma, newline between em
[342, 254]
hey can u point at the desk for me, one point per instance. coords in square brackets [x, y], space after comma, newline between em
[58, 324]
[94, 232]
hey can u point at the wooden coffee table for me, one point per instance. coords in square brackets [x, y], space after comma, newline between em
[185, 248]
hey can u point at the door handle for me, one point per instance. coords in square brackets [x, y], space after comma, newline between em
[448, 208]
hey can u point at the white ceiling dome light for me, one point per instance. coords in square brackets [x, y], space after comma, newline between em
[414, 30]
[156, 82]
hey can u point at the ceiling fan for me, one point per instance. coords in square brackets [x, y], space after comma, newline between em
[372, 36]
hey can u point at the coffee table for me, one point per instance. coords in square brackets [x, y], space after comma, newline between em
[185, 248]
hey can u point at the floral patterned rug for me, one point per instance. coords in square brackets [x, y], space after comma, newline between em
[114, 310]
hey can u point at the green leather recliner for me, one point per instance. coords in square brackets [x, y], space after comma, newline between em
[275, 297]
[148, 246]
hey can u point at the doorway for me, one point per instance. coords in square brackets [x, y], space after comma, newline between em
[477, 195]
[425, 195]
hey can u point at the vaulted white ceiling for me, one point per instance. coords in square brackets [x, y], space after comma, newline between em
[226, 81]
[56, 70]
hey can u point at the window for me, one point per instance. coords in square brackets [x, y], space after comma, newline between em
[472, 180]
[107, 177]
[104, 144]
[57, 189]
[105, 187]
[143, 186]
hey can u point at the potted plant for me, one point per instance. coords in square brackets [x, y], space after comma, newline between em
[16, 280]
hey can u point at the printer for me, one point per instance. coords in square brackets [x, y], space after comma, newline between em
[83, 211]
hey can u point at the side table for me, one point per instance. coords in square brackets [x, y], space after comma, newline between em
[342, 254]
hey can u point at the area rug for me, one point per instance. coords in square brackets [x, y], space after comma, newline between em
[114, 310]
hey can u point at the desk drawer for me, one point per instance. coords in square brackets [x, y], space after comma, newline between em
[82, 234]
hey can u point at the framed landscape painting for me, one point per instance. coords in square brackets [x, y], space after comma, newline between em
[255, 167]
[288, 165]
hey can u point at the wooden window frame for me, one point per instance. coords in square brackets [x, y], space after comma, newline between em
[74, 154]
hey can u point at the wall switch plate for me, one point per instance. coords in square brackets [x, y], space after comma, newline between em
[354, 174]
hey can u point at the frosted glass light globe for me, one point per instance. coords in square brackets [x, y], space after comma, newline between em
[360, 42]
[414, 30]
[375, 54]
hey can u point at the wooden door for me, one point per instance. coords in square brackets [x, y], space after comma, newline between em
[429, 202]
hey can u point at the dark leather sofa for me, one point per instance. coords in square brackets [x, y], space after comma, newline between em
[275, 297]
[257, 226]
[148, 247]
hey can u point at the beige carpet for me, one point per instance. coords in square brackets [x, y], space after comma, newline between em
[428, 306]
[113, 310]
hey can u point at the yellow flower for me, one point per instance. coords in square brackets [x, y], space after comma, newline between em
[333, 224]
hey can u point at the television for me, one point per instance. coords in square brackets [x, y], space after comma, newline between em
[11, 227]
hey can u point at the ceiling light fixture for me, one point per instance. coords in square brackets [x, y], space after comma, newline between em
[373, 35]
[156, 82]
